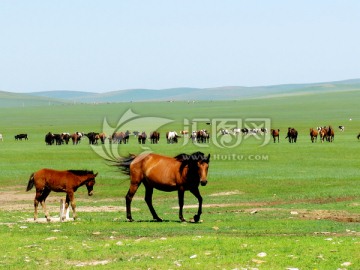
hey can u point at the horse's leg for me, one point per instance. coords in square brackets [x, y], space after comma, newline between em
[36, 204]
[67, 201]
[129, 196]
[181, 204]
[73, 203]
[196, 193]
[148, 200]
[42, 199]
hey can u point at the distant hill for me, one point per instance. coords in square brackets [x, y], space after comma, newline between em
[216, 93]
[8, 99]
[174, 94]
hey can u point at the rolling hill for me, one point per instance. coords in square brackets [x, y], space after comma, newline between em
[62, 97]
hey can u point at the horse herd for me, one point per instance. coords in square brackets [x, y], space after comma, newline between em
[120, 137]
[326, 133]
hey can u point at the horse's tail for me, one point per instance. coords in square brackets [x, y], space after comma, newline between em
[31, 182]
[124, 163]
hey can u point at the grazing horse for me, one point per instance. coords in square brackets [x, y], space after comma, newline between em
[181, 173]
[292, 135]
[102, 137]
[154, 137]
[358, 136]
[330, 134]
[66, 137]
[172, 137]
[58, 139]
[120, 137]
[47, 180]
[313, 135]
[21, 136]
[142, 138]
[49, 138]
[93, 137]
[275, 133]
[117, 137]
[323, 133]
[76, 137]
[202, 136]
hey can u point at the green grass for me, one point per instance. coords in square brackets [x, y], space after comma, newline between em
[269, 181]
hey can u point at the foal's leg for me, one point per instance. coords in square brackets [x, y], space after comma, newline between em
[67, 201]
[73, 203]
[196, 193]
[148, 200]
[42, 199]
[36, 204]
[181, 204]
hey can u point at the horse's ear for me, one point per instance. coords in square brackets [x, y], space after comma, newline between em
[208, 158]
[95, 174]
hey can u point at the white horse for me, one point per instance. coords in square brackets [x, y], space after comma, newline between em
[1, 137]
[172, 136]
[236, 131]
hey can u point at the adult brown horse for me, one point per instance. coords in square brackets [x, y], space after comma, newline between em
[47, 180]
[275, 133]
[330, 134]
[313, 135]
[181, 173]
[154, 137]
[292, 135]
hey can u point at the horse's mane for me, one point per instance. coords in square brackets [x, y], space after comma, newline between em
[81, 172]
[189, 160]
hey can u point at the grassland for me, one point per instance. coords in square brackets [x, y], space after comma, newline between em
[277, 206]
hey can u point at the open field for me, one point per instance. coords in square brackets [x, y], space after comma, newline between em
[272, 206]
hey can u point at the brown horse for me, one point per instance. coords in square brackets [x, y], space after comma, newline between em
[292, 135]
[154, 137]
[47, 180]
[275, 133]
[181, 173]
[330, 134]
[313, 135]
[323, 132]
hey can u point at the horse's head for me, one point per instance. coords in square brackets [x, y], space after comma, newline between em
[195, 165]
[203, 167]
[90, 183]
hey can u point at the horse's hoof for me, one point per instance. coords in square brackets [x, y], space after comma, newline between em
[129, 220]
[196, 218]
[158, 219]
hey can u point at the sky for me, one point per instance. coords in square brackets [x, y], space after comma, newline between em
[102, 46]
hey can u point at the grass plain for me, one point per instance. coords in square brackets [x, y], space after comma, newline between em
[276, 206]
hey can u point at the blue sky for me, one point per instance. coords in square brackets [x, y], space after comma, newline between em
[102, 46]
